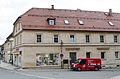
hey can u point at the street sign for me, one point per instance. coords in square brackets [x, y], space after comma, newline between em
[61, 55]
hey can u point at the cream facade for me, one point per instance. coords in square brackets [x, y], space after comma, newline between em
[28, 47]
[8, 46]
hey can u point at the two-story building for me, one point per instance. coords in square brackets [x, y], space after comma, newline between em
[42, 34]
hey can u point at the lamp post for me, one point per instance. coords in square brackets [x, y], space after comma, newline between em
[61, 55]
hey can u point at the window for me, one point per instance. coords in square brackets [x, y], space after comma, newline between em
[51, 22]
[83, 61]
[87, 39]
[102, 55]
[71, 38]
[116, 54]
[55, 38]
[115, 39]
[19, 26]
[43, 59]
[81, 22]
[38, 38]
[101, 38]
[110, 23]
[66, 22]
[87, 54]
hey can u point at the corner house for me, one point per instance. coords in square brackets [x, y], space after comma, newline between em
[42, 34]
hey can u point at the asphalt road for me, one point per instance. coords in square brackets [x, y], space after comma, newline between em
[7, 74]
[69, 74]
[58, 74]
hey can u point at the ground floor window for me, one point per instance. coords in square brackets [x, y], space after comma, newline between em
[47, 59]
[87, 54]
[102, 55]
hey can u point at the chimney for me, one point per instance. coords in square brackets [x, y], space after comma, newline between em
[110, 12]
[52, 6]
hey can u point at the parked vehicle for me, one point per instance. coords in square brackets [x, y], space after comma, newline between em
[86, 64]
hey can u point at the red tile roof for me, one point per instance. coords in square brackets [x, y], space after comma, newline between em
[36, 18]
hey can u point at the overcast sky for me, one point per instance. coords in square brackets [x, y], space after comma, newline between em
[11, 9]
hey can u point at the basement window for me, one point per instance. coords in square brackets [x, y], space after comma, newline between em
[81, 22]
[66, 22]
[110, 23]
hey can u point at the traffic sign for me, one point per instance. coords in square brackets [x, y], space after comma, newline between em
[61, 55]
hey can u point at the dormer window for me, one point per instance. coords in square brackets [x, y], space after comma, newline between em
[51, 21]
[110, 23]
[81, 22]
[66, 22]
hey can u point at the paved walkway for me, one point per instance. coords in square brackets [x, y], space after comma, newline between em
[116, 77]
[7, 66]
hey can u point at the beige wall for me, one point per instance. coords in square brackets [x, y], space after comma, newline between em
[29, 46]
[29, 55]
[48, 36]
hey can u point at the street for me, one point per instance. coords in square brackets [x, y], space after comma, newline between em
[58, 74]
[7, 74]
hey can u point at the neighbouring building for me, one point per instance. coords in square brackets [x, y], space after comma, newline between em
[42, 34]
[7, 52]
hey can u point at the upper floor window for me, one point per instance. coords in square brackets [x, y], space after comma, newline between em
[81, 22]
[101, 39]
[110, 23]
[66, 22]
[87, 54]
[71, 38]
[87, 39]
[115, 39]
[55, 38]
[38, 38]
[19, 26]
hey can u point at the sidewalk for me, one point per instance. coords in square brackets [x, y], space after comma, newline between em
[116, 77]
[7, 66]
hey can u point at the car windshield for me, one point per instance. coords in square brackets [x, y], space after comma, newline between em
[78, 61]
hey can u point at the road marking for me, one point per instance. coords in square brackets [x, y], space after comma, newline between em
[34, 75]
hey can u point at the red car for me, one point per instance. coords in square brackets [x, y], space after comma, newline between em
[86, 64]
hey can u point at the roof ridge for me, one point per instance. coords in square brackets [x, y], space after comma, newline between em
[75, 10]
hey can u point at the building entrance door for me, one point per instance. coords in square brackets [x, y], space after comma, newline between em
[72, 57]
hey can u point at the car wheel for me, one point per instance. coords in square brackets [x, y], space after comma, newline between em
[96, 68]
[79, 69]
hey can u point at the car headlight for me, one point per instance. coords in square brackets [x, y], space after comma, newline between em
[73, 65]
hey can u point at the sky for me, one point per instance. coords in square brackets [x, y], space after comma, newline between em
[10, 10]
